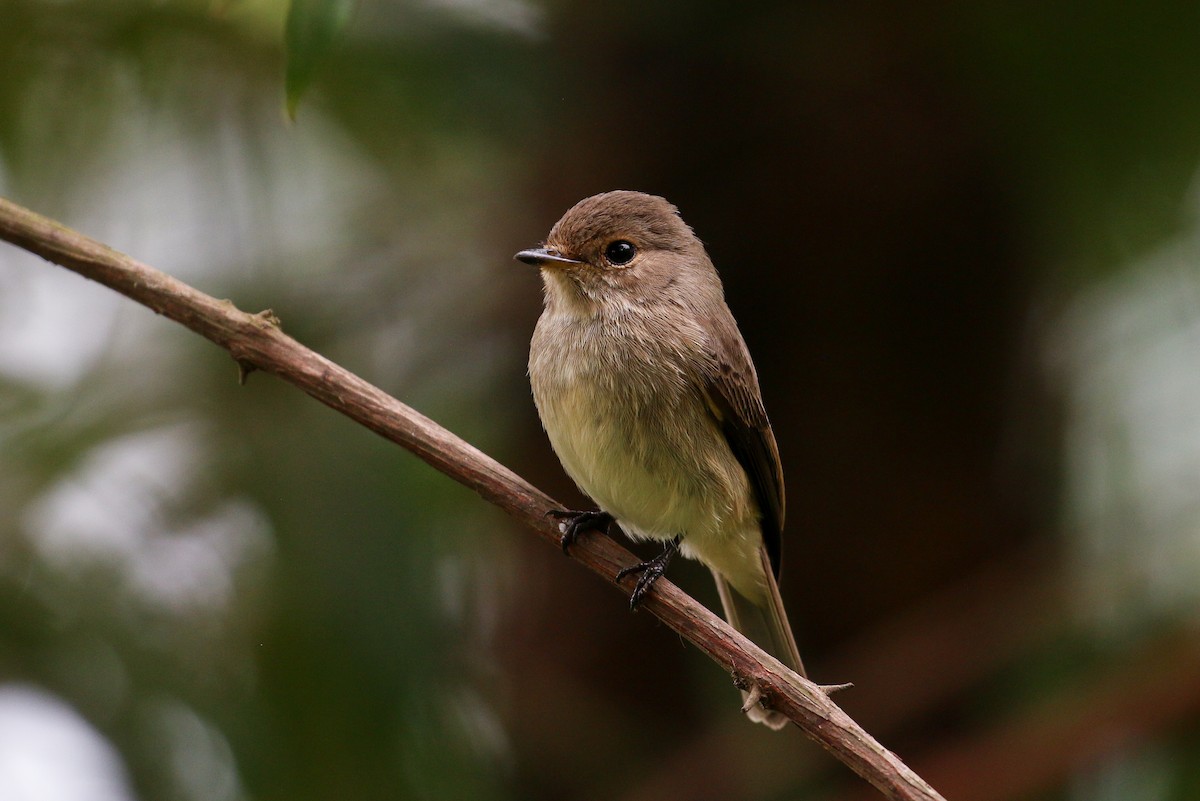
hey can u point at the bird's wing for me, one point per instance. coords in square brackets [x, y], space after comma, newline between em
[733, 397]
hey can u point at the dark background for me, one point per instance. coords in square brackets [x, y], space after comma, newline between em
[961, 241]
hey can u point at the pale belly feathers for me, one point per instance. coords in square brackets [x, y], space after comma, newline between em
[648, 453]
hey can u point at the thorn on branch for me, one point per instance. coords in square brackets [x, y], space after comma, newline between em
[269, 317]
[753, 693]
[830, 689]
[266, 318]
[754, 697]
[244, 371]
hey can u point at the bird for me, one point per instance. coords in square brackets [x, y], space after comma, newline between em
[649, 397]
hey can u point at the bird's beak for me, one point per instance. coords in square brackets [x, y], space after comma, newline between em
[544, 257]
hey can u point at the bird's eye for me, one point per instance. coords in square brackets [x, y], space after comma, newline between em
[620, 252]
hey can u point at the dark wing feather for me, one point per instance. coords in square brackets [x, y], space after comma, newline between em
[735, 401]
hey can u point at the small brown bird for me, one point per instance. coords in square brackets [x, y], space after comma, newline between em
[648, 395]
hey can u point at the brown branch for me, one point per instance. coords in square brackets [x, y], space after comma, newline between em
[256, 342]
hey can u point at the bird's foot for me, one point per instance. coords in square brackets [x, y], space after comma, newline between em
[572, 524]
[650, 570]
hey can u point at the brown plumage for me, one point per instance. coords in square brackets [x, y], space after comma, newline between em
[650, 399]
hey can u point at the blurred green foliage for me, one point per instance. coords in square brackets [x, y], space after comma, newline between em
[312, 28]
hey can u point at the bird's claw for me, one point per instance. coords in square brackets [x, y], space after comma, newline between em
[651, 571]
[572, 524]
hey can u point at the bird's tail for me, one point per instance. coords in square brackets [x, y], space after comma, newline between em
[765, 624]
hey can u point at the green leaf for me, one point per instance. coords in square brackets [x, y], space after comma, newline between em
[311, 30]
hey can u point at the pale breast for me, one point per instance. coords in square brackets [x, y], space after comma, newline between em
[634, 433]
